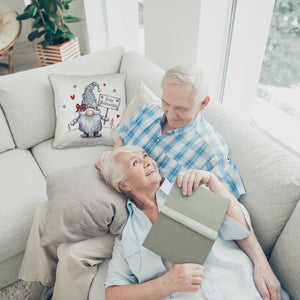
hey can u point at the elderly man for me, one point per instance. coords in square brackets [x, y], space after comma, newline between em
[176, 135]
[137, 273]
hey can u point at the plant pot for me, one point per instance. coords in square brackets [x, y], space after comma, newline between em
[57, 53]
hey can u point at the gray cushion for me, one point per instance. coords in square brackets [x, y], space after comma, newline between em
[285, 255]
[34, 119]
[270, 174]
[81, 206]
[6, 141]
[23, 188]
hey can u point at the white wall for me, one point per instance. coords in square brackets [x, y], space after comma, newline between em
[171, 31]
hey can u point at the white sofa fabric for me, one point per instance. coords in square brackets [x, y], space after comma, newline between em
[27, 124]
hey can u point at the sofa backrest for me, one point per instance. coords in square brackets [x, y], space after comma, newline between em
[138, 69]
[6, 140]
[270, 174]
[27, 97]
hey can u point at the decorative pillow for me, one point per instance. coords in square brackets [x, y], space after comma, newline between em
[142, 96]
[82, 206]
[87, 108]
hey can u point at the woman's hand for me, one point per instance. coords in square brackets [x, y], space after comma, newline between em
[189, 180]
[183, 277]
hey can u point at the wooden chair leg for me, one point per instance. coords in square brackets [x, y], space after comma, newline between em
[10, 63]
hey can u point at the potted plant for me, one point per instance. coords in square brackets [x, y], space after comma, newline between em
[49, 25]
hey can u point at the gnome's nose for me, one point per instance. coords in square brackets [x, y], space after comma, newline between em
[89, 112]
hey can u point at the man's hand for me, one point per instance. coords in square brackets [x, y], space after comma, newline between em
[266, 282]
[189, 180]
[183, 277]
[102, 157]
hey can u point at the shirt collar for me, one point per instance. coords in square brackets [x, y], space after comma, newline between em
[186, 128]
[161, 195]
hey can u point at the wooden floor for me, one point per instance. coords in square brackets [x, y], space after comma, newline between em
[23, 58]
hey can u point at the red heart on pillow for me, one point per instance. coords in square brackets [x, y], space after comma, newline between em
[72, 97]
[118, 116]
[104, 84]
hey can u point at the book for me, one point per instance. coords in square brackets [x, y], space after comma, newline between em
[187, 226]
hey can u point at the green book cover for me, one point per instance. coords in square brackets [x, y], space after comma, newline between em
[187, 226]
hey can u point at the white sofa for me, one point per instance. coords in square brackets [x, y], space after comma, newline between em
[27, 124]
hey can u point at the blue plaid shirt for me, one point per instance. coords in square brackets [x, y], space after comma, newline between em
[195, 146]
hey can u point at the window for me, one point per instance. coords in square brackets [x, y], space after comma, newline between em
[276, 108]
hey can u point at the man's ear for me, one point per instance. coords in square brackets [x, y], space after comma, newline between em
[204, 103]
[124, 187]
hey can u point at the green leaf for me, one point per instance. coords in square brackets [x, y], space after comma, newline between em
[49, 37]
[41, 33]
[71, 19]
[23, 16]
[56, 17]
[32, 11]
[42, 4]
[38, 23]
[50, 6]
[45, 44]
[70, 35]
[59, 4]
[51, 27]
[33, 35]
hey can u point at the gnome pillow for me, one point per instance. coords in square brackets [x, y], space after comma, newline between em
[87, 108]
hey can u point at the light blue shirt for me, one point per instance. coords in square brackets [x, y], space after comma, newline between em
[195, 146]
[229, 271]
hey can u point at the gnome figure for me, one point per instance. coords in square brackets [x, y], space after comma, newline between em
[89, 114]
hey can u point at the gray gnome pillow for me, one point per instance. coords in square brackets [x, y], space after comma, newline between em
[87, 108]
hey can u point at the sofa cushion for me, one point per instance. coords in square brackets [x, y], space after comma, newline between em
[6, 141]
[51, 160]
[140, 69]
[285, 255]
[23, 187]
[82, 206]
[87, 108]
[270, 174]
[27, 98]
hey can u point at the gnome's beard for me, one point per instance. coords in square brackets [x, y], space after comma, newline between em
[90, 124]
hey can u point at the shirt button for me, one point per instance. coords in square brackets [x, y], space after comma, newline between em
[157, 140]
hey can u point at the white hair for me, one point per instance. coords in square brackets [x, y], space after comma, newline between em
[112, 170]
[188, 74]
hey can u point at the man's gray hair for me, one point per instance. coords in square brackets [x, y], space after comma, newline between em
[112, 170]
[188, 74]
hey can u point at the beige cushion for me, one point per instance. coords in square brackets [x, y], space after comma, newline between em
[82, 206]
[271, 175]
[87, 108]
[142, 96]
[30, 92]
[51, 160]
[23, 187]
[6, 141]
[9, 26]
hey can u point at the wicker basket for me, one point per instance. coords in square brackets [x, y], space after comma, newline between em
[57, 53]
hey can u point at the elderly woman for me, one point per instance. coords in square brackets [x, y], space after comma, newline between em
[137, 273]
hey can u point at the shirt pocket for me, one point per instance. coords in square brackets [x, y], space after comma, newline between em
[133, 257]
